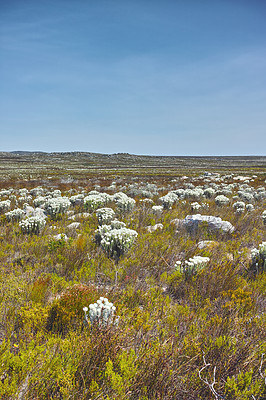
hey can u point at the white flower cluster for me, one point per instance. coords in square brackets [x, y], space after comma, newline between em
[168, 200]
[56, 193]
[249, 207]
[258, 256]
[146, 201]
[15, 215]
[191, 265]
[4, 205]
[39, 200]
[221, 200]
[5, 192]
[101, 312]
[123, 202]
[115, 239]
[95, 200]
[264, 217]
[115, 224]
[23, 192]
[32, 224]
[195, 206]
[77, 199]
[239, 207]
[38, 191]
[142, 190]
[209, 192]
[105, 215]
[157, 209]
[56, 206]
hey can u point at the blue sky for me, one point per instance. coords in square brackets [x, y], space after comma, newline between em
[139, 76]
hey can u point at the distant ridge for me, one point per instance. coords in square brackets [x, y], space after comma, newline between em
[87, 153]
[21, 152]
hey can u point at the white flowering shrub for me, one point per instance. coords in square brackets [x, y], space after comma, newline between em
[101, 313]
[32, 225]
[15, 215]
[209, 192]
[96, 200]
[40, 200]
[157, 209]
[77, 199]
[181, 193]
[221, 200]
[195, 206]
[23, 199]
[5, 192]
[115, 241]
[38, 191]
[146, 202]
[4, 205]
[260, 193]
[245, 195]
[123, 202]
[192, 265]
[168, 200]
[56, 193]
[258, 257]
[249, 207]
[264, 217]
[23, 192]
[105, 215]
[239, 207]
[115, 224]
[56, 206]
[195, 193]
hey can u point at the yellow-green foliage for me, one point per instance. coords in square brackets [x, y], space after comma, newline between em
[169, 323]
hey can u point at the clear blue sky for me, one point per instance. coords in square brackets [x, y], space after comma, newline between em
[166, 77]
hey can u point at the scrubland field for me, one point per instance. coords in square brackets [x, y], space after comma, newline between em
[132, 277]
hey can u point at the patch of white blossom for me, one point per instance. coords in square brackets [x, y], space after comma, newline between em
[32, 225]
[191, 265]
[221, 200]
[157, 209]
[15, 215]
[258, 256]
[264, 217]
[56, 206]
[115, 241]
[105, 215]
[4, 205]
[101, 313]
[239, 207]
[96, 200]
[123, 202]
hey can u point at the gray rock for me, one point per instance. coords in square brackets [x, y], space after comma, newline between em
[73, 226]
[153, 228]
[192, 223]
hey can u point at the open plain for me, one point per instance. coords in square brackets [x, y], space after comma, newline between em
[132, 277]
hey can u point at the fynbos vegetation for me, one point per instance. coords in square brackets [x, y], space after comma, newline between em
[129, 277]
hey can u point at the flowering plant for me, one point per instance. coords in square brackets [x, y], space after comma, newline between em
[101, 313]
[258, 257]
[192, 265]
[115, 241]
[15, 215]
[105, 215]
[32, 224]
[56, 206]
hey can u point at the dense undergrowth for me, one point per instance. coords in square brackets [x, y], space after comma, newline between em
[180, 336]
